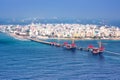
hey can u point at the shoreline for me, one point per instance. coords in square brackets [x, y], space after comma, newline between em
[62, 31]
[25, 38]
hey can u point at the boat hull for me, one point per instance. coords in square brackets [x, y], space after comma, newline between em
[96, 51]
[99, 52]
[69, 48]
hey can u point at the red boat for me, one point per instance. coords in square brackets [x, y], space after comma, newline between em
[57, 45]
[98, 50]
[69, 46]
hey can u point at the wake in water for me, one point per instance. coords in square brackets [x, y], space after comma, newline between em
[112, 52]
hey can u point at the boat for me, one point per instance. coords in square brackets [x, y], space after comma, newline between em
[95, 50]
[55, 44]
[58, 45]
[52, 43]
[98, 50]
[70, 46]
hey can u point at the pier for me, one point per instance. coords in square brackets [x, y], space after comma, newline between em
[56, 44]
[39, 41]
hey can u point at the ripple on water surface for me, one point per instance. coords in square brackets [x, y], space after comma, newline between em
[25, 60]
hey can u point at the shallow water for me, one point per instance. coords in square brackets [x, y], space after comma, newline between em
[26, 60]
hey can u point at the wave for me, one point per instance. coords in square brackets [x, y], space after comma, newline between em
[112, 52]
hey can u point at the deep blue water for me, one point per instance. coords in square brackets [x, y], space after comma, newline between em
[26, 60]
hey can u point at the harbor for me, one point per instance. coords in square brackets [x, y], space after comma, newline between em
[71, 46]
[60, 40]
[42, 32]
[90, 48]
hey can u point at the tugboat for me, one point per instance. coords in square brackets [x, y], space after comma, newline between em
[98, 50]
[70, 46]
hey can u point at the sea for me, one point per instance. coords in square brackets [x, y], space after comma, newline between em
[27, 60]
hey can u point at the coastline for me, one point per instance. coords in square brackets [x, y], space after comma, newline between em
[62, 31]
[25, 38]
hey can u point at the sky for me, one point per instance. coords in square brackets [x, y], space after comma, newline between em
[91, 9]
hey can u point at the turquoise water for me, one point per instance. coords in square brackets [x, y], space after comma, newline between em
[26, 60]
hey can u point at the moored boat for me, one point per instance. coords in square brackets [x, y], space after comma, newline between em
[55, 44]
[69, 46]
[58, 45]
[98, 50]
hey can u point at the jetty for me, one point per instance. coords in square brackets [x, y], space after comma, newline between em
[72, 46]
[39, 41]
[56, 44]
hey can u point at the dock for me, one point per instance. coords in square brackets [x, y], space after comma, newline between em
[39, 41]
[61, 45]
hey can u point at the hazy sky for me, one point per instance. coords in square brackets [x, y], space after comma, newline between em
[60, 8]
